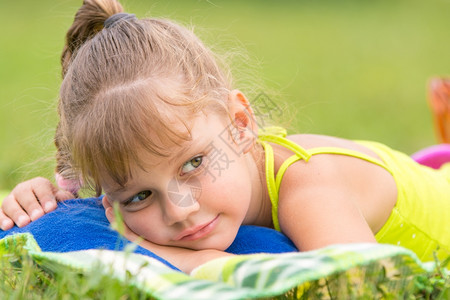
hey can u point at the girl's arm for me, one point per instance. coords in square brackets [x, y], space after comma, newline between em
[184, 259]
[330, 216]
[29, 201]
[332, 200]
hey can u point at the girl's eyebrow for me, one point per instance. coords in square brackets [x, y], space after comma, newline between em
[185, 149]
[115, 193]
[120, 189]
[180, 154]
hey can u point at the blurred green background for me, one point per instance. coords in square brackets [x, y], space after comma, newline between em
[355, 69]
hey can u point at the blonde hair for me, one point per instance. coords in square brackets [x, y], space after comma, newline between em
[125, 86]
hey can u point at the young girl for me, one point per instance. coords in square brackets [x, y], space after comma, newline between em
[149, 119]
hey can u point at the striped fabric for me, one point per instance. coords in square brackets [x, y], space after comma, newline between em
[341, 271]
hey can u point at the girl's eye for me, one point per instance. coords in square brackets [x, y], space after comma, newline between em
[139, 197]
[192, 164]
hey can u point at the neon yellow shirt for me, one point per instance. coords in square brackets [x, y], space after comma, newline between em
[420, 220]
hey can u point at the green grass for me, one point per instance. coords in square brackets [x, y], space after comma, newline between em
[351, 68]
[23, 278]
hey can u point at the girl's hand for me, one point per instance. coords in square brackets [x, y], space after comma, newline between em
[184, 259]
[29, 201]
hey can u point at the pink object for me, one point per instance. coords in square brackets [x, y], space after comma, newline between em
[433, 156]
[69, 185]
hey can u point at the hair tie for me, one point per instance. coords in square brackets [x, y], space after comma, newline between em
[70, 185]
[112, 20]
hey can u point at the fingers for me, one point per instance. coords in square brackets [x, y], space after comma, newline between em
[5, 222]
[11, 210]
[44, 199]
[29, 201]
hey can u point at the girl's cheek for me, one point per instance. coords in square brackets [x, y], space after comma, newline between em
[140, 222]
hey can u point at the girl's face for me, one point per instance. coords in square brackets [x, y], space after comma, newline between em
[198, 197]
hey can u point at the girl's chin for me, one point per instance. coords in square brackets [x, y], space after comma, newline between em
[212, 243]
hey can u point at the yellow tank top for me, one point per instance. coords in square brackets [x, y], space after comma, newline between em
[420, 220]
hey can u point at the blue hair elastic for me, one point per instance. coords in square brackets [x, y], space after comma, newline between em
[112, 20]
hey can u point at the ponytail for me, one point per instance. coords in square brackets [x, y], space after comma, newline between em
[88, 20]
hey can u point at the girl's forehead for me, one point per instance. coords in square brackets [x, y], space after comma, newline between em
[203, 130]
[191, 133]
[180, 135]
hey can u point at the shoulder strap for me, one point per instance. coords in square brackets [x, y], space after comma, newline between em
[272, 188]
[348, 152]
[326, 150]
[277, 135]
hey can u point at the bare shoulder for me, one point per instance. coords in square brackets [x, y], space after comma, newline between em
[341, 192]
[328, 169]
[309, 141]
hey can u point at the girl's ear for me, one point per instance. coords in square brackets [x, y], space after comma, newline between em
[243, 119]
[109, 210]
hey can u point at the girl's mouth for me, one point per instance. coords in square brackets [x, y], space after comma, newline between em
[198, 232]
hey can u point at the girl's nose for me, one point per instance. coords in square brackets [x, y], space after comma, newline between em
[178, 205]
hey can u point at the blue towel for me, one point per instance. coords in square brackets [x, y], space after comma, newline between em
[81, 224]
